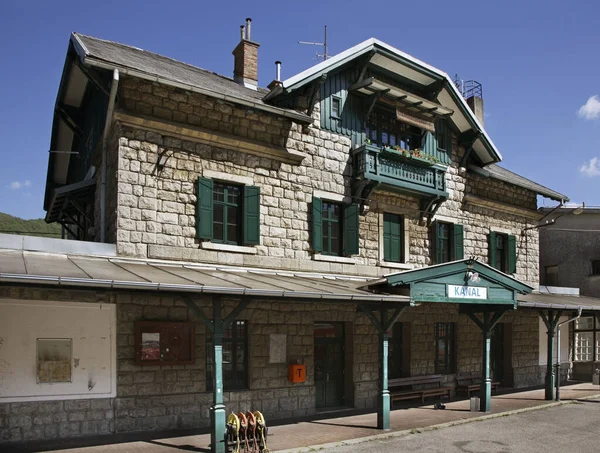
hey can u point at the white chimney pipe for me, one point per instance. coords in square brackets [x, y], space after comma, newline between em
[278, 71]
[248, 22]
[241, 32]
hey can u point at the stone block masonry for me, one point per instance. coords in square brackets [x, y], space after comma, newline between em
[155, 398]
[155, 212]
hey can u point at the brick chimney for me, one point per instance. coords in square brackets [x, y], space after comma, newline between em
[245, 59]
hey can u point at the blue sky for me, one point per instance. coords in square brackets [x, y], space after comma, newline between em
[537, 60]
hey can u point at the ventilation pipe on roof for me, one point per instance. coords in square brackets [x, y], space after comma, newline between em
[107, 126]
[278, 71]
[276, 82]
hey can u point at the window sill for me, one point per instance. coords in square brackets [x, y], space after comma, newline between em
[396, 265]
[228, 248]
[334, 259]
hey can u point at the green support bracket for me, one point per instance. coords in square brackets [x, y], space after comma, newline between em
[486, 324]
[551, 321]
[383, 325]
[217, 327]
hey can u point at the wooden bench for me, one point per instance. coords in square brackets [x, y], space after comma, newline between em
[471, 382]
[417, 387]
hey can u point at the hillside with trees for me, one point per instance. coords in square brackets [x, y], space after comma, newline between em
[34, 227]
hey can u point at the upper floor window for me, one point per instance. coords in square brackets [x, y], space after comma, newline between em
[393, 238]
[595, 267]
[335, 228]
[448, 242]
[332, 227]
[228, 213]
[503, 252]
[383, 129]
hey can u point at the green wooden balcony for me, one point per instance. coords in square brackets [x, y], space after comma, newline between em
[416, 176]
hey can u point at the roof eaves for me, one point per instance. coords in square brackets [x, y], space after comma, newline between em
[533, 186]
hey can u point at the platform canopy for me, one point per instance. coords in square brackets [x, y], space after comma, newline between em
[71, 270]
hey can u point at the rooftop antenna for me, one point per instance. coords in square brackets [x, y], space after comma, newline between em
[324, 44]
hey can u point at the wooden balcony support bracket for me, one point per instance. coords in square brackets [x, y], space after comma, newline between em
[70, 116]
[435, 89]
[361, 191]
[429, 207]
[373, 100]
[365, 65]
[313, 94]
[94, 78]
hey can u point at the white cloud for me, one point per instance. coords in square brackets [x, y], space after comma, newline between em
[591, 168]
[591, 109]
[16, 185]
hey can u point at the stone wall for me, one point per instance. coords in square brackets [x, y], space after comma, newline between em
[151, 398]
[155, 214]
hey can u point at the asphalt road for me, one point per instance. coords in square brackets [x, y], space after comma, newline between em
[571, 428]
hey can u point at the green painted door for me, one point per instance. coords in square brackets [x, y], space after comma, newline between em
[329, 364]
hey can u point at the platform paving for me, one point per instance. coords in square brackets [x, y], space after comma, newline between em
[325, 432]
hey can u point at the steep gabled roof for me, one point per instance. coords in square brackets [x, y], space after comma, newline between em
[384, 55]
[149, 65]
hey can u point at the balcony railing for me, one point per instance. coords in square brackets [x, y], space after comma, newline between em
[406, 174]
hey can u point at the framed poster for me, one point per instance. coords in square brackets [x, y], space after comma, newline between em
[164, 343]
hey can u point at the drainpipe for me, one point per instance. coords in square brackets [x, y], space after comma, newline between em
[558, 351]
[108, 123]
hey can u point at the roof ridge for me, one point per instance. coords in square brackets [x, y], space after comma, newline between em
[139, 49]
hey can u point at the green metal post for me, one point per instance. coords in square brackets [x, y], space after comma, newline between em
[383, 409]
[217, 410]
[550, 377]
[486, 391]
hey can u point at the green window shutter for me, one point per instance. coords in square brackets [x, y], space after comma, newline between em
[251, 215]
[350, 231]
[492, 249]
[438, 243]
[204, 209]
[459, 251]
[429, 143]
[512, 254]
[317, 224]
[393, 226]
[387, 238]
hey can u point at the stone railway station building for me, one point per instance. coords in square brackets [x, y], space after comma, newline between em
[290, 250]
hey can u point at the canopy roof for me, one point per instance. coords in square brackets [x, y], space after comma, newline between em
[70, 270]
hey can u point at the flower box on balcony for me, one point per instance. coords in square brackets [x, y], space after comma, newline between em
[414, 156]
